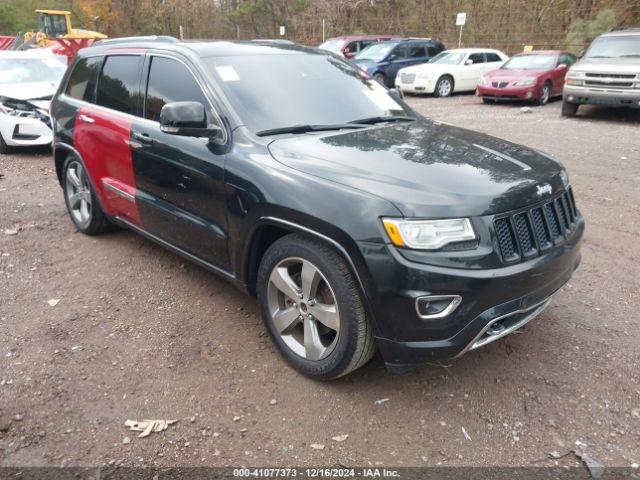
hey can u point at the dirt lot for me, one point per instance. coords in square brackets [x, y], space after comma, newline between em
[140, 333]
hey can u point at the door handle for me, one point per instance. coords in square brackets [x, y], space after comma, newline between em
[86, 118]
[142, 138]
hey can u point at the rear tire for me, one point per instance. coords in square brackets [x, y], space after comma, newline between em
[444, 86]
[569, 109]
[337, 337]
[82, 203]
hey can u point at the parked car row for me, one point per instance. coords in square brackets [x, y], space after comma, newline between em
[609, 73]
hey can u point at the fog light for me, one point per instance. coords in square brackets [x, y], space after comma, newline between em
[570, 98]
[437, 306]
[529, 94]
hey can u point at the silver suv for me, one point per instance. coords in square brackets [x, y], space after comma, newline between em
[608, 73]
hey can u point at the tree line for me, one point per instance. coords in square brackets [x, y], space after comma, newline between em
[504, 24]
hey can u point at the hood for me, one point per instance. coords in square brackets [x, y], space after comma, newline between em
[608, 65]
[427, 168]
[39, 91]
[508, 74]
[364, 63]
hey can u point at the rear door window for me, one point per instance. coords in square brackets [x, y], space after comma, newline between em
[119, 83]
[170, 81]
[82, 81]
[477, 58]
[493, 57]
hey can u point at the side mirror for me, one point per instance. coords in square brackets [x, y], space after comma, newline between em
[562, 66]
[468, 62]
[393, 56]
[187, 119]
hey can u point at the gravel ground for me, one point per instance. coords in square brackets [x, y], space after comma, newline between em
[140, 333]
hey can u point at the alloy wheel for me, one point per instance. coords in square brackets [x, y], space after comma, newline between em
[444, 87]
[303, 308]
[78, 193]
[544, 94]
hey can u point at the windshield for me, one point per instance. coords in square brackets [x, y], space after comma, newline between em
[299, 89]
[448, 58]
[614, 46]
[334, 45]
[26, 70]
[531, 62]
[375, 52]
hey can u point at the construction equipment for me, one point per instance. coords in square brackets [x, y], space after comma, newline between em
[54, 32]
[57, 24]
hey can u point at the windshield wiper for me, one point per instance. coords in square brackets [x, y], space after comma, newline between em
[308, 128]
[630, 55]
[373, 120]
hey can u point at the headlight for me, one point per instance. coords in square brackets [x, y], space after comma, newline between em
[484, 81]
[575, 74]
[526, 82]
[573, 81]
[428, 234]
[423, 75]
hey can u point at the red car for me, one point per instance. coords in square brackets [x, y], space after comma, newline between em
[533, 76]
[350, 45]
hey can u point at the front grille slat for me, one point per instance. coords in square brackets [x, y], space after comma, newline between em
[506, 239]
[526, 233]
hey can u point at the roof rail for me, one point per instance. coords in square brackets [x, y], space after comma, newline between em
[625, 29]
[419, 38]
[150, 38]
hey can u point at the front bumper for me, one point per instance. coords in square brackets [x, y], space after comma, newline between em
[510, 294]
[509, 93]
[612, 97]
[418, 86]
[24, 131]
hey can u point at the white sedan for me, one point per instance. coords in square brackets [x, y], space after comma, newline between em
[450, 71]
[28, 81]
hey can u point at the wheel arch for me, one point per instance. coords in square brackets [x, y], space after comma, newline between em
[60, 153]
[268, 229]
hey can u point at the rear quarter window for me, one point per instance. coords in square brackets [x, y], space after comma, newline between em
[119, 83]
[82, 81]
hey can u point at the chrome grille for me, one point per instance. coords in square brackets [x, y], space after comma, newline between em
[408, 77]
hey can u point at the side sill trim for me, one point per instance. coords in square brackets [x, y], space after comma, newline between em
[189, 256]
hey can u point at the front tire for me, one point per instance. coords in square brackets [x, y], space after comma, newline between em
[312, 308]
[569, 109]
[4, 148]
[545, 94]
[444, 87]
[82, 203]
[380, 78]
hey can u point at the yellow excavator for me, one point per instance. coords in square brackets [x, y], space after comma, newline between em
[54, 32]
[57, 24]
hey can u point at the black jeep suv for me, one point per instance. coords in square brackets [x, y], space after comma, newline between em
[357, 223]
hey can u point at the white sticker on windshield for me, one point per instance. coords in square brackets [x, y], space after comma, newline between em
[228, 73]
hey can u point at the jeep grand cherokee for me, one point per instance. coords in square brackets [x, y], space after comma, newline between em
[357, 223]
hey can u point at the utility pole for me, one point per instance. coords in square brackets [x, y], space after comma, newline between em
[323, 30]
